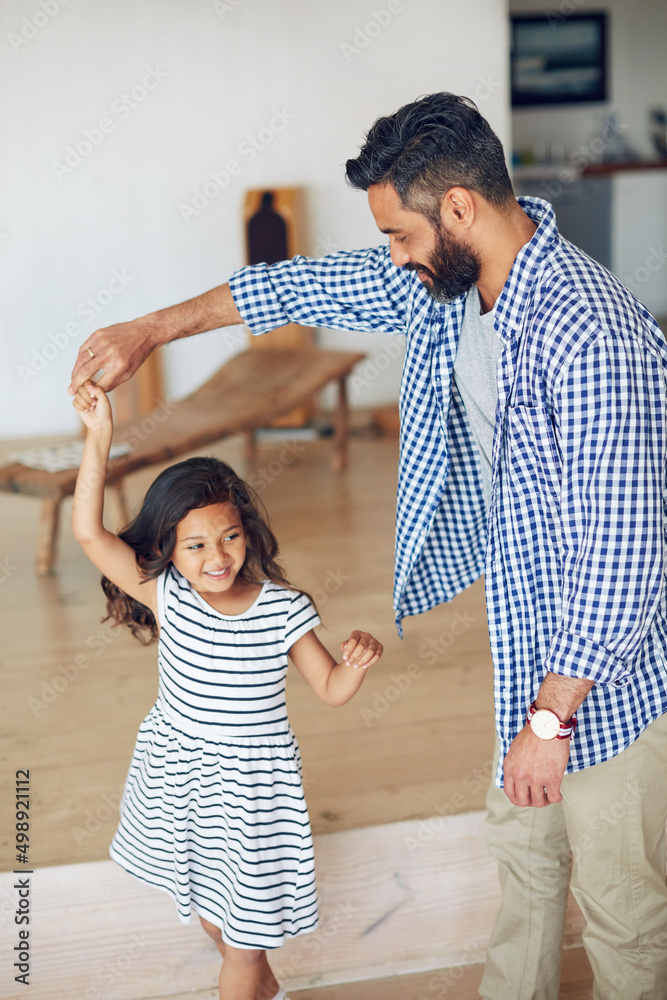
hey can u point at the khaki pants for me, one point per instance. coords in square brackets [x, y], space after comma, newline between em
[605, 840]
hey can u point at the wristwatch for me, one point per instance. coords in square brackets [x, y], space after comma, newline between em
[547, 726]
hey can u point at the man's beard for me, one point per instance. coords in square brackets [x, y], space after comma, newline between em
[454, 268]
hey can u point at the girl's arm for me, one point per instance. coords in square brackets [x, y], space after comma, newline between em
[335, 683]
[112, 556]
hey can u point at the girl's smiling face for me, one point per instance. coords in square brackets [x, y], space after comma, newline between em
[211, 549]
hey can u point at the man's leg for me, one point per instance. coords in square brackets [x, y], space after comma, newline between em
[615, 814]
[534, 860]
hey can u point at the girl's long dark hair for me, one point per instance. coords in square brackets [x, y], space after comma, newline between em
[197, 482]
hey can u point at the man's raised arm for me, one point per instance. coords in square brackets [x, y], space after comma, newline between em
[122, 348]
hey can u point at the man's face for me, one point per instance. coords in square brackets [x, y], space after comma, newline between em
[446, 266]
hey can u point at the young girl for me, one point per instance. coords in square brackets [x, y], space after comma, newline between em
[213, 810]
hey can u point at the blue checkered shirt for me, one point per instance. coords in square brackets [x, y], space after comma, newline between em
[572, 546]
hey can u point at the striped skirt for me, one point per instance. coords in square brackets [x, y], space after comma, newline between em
[222, 826]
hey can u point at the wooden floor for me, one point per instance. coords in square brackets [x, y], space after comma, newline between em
[415, 743]
[456, 983]
[396, 899]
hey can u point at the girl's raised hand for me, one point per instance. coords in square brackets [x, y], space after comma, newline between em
[361, 650]
[92, 404]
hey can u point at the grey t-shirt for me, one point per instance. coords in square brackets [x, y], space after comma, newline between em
[475, 377]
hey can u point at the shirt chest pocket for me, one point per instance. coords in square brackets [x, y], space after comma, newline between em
[530, 452]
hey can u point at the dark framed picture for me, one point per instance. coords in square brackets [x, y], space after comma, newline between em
[558, 59]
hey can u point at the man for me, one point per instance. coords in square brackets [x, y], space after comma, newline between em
[533, 448]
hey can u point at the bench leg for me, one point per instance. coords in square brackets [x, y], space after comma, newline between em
[340, 456]
[47, 537]
[250, 446]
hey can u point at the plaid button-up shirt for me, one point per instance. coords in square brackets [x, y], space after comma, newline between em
[573, 544]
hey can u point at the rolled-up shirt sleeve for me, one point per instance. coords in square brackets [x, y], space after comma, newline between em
[610, 424]
[360, 290]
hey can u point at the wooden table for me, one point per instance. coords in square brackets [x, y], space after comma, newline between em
[244, 395]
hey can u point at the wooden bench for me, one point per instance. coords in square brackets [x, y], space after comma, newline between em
[245, 394]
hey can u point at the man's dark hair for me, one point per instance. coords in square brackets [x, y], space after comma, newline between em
[437, 142]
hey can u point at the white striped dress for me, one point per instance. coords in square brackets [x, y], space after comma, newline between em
[213, 810]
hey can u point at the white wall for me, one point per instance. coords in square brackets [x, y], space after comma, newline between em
[209, 74]
[638, 79]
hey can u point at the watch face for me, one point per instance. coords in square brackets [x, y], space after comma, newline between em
[545, 724]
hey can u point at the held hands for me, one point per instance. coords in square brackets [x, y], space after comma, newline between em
[361, 650]
[119, 349]
[92, 404]
[534, 769]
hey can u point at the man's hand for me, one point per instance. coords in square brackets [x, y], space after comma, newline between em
[534, 769]
[122, 348]
[119, 350]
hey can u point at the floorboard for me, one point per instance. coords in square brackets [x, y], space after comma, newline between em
[415, 741]
[399, 898]
[414, 746]
[454, 983]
